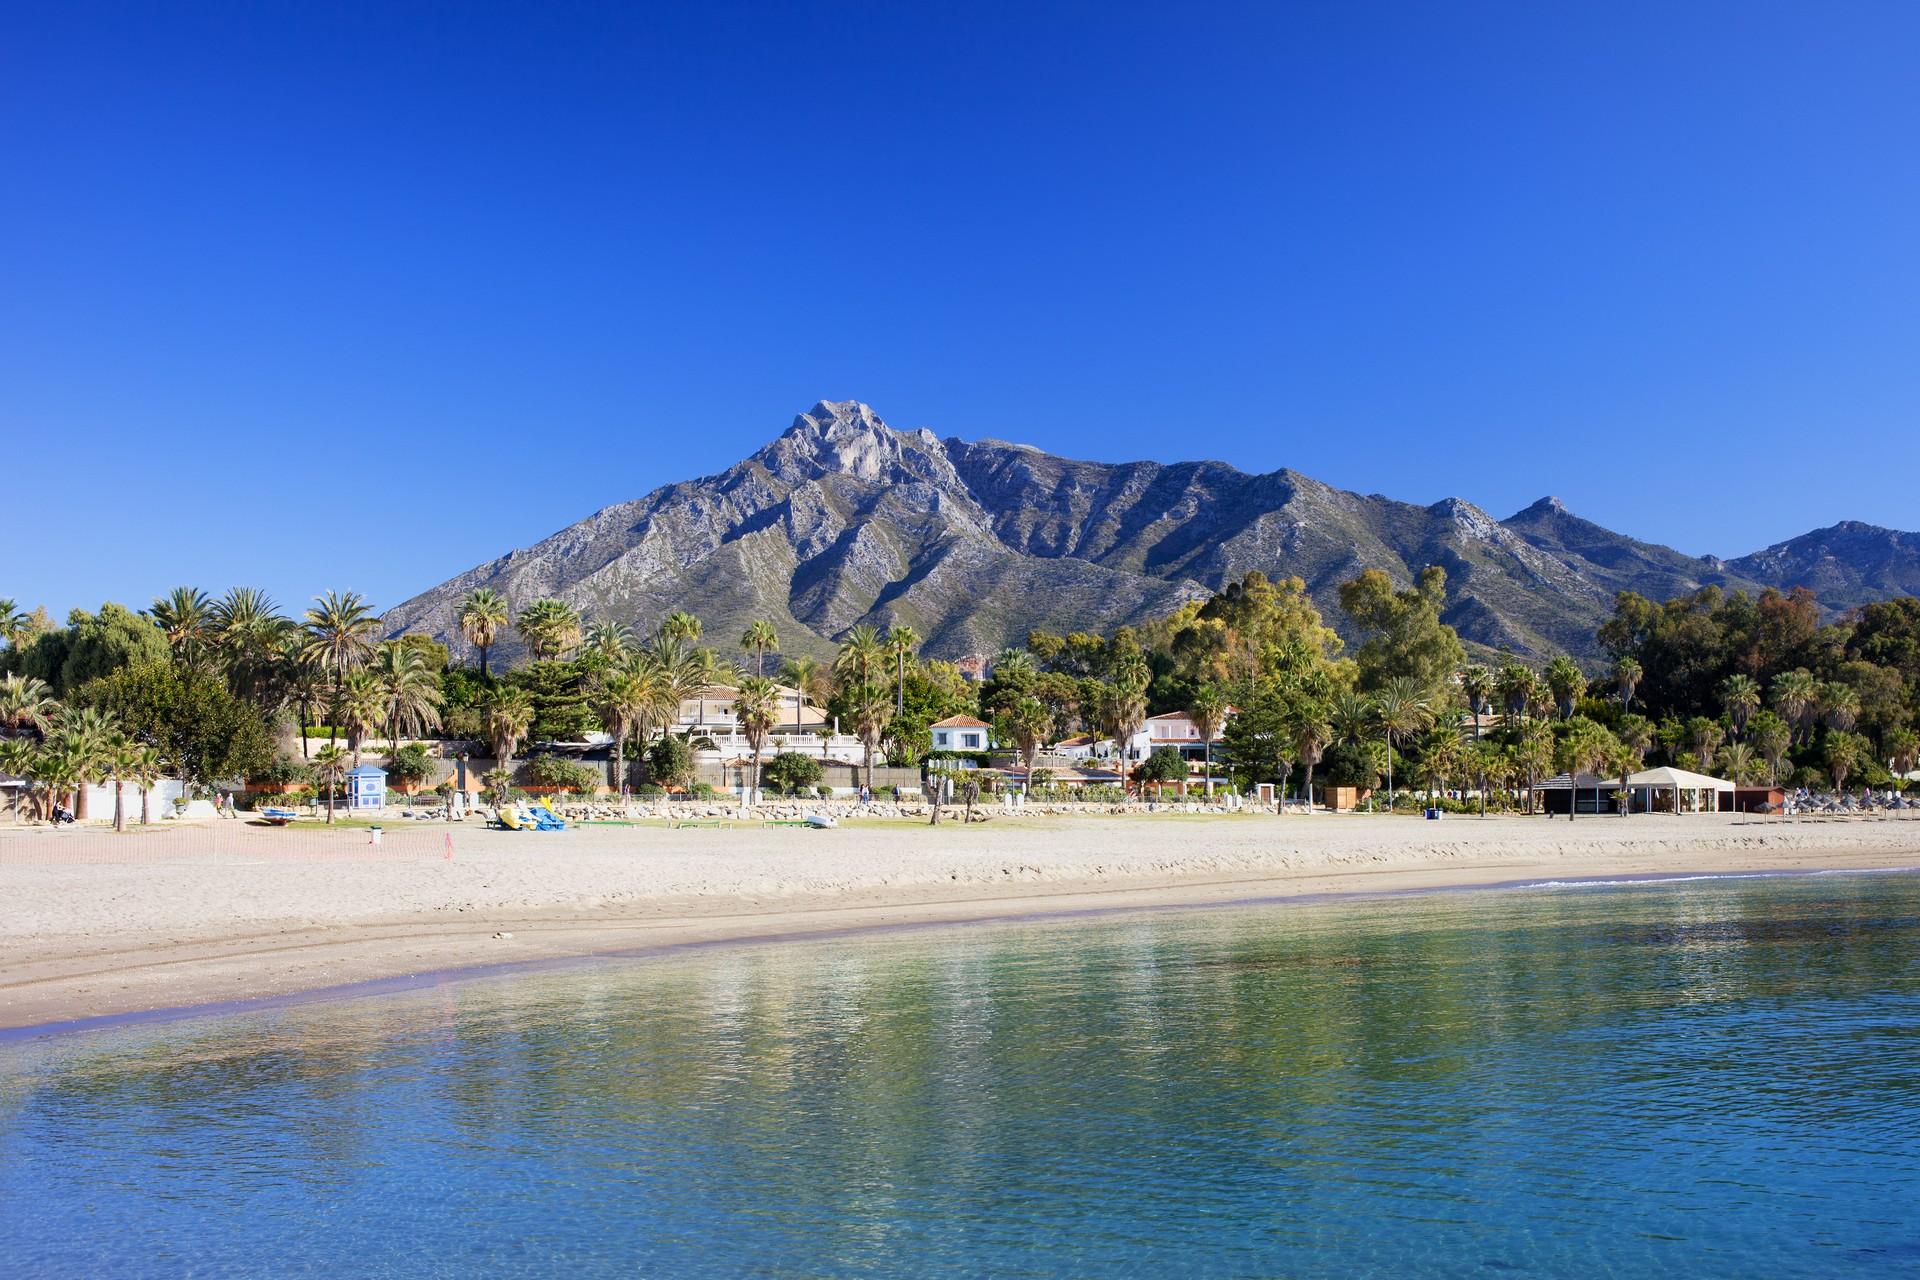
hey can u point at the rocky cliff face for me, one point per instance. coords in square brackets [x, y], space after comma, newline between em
[843, 520]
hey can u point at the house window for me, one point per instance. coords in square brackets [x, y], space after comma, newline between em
[973, 742]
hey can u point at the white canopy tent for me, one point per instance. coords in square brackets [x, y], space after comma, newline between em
[1689, 790]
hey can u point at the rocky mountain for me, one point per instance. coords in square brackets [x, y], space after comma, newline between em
[1845, 565]
[844, 520]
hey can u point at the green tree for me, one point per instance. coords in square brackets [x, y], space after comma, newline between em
[792, 773]
[1404, 636]
[330, 765]
[185, 617]
[1740, 695]
[339, 639]
[756, 709]
[1400, 707]
[1567, 682]
[1845, 751]
[189, 715]
[1162, 766]
[903, 642]
[758, 638]
[1208, 712]
[483, 616]
[551, 628]
[1026, 725]
[509, 714]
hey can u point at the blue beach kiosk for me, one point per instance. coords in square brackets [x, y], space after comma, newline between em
[366, 787]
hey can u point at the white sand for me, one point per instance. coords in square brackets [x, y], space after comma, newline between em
[223, 912]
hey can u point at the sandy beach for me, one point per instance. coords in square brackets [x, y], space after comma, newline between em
[233, 911]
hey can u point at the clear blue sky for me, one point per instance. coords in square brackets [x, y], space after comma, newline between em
[356, 296]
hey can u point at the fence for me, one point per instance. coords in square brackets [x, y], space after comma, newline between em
[236, 842]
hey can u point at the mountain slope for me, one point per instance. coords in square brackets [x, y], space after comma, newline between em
[842, 520]
[1846, 565]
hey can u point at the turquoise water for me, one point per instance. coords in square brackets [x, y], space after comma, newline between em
[1715, 1078]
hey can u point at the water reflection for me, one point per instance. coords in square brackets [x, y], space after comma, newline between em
[1718, 1077]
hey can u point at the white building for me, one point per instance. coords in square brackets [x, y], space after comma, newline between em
[962, 733]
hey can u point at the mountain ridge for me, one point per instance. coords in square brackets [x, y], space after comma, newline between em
[841, 519]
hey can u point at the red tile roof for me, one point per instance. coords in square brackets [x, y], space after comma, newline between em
[960, 722]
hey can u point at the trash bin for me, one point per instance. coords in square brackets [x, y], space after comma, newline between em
[1433, 814]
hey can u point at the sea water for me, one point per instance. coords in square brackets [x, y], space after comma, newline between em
[1709, 1078]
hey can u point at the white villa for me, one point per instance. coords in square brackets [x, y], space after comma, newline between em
[962, 733]
[1174, 729]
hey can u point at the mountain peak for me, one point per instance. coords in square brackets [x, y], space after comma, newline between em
[1547, 506]
[849, 438]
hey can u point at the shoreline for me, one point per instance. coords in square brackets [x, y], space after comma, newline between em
[212, 947]
[1020, 910]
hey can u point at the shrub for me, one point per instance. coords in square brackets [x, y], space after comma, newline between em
[563, 773]
[670, 762]
[410, 765]
[281, 772]
[703, 791]
[791, 773]
[824, 792]
[649, 791]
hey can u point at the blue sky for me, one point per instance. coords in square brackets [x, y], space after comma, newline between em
[356, 296]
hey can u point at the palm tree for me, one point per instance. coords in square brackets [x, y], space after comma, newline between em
[185, 617]
[1843, 752]
[1706, 736]
[410, 687]
[13, 624]
[1903, 747]
[1124, 708]
[1839, 706]
[20, 758]
[1311, 734]
[1208, 711]
[1514, 685]
[626, 697]
[1771, 738]
[144, 765]
[1026, 724]
[871, 709]
[756, 709]
[339, 637]
[1400, 707]
[1740, 695]
[26, 705]
[483, 615]
[1737, 763]
[608, 641]
[119, 764]
[758, 638]
[1567, 682]
[810, 681]
[1532, 755]
[702, 670]
[860, 653]
[1583, 747]
[1795, 694]
[1476, 685]
[903, 642]
[362, 707]
[550, 627]
[330, 767]
[1352, 715]
[247, 631]
[1627, 674]
[305, 682]
[86, 739]
[509, 714]
[1440, 757]
[681, 625]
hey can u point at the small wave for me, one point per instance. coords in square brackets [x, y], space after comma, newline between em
[1722, 875]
